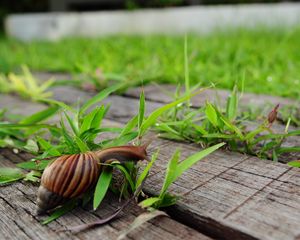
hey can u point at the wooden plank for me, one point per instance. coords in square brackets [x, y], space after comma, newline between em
[215, 191]
[241, 200]
[18, 219]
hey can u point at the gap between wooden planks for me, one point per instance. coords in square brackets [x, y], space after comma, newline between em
[228, 194]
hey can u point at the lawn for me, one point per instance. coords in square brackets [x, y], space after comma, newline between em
[268, 60]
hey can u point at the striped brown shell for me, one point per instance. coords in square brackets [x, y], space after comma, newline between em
[67, 177]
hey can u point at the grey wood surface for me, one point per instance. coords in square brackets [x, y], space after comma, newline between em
[227, 195]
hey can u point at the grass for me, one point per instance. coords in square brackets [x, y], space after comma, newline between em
[268, 59]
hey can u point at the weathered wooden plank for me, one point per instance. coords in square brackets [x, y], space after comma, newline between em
[236, 201]
[216, 190]
[18, 219]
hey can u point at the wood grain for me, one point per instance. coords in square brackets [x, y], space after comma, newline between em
[227, 195]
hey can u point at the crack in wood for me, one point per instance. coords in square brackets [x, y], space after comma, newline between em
[253, 195]
[218, 175]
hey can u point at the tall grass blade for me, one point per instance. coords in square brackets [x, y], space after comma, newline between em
[151, 119]
[102, 186]
[190, 161]
[61, 211]
[8, 175]
[141, 111]
[170, 173]
[99, 97]
[40, 116]
[145, 172]
[211, 114]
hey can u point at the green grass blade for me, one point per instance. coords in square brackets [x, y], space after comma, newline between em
[170, 173]
[211, 114]
[68, 139]
[294, 163]
[73, 124]
[129, 126]
[145, 172]
[40, 116]
[232, 104]
[46, 146]
[141, 111]
[127, 175]
[28, 78]
[81, 145]
[190, 161]
[99, 97]
[8, 175]
[120, 140]
[97, 120]
[186, 66]
[61, 211]
[159, 111]
[250, 136]
[287, 150]
[233, 128]
[87, 121]
[220, 136]
[58, 103]
[34, 165]
[149, 202]
[102, 187]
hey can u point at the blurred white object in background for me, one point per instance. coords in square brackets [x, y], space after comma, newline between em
[196, 19]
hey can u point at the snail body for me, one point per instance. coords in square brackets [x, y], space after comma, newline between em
[70, 176]
[123, 153]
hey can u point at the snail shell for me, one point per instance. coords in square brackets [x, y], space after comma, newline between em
[67, 177]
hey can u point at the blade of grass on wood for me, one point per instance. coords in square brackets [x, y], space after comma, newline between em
[40, 116]
[141, 111]
[61, 211]
[170, 173]
[102, 186]
[151, 119]
[8, 175]
[99, 97]
[127, 175]
[149, 202]
[190, 161]
[129, 126]
[145, 172]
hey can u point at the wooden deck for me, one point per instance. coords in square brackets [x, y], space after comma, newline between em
[226, 196]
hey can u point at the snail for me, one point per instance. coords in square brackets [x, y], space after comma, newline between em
[69, 176]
